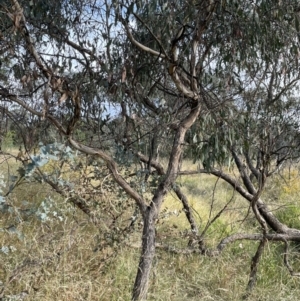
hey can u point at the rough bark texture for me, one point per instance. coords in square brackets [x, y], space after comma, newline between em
[140, 288]
[181, 196]
[254, 267]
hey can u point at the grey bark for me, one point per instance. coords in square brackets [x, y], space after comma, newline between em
[141, 284]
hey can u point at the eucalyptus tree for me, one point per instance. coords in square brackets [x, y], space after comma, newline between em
[168, 68]
[230, 58]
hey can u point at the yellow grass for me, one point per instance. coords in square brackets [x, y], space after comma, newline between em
[74, 259]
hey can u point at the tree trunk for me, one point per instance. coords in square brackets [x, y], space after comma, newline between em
[150, 213]
[140, 288]
[254, 267]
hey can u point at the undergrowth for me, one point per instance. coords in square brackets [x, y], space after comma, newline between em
[68, 257]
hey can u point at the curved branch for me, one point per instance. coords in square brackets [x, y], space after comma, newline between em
[268, 236]
[230, 239]
[52, 119]
[112, 166]
[30, 44]
[138, 44]
[218, 173]
[76, 200]
[187, 209]
[254, 170]
[270, 218]
[153, 35]
[246, 179]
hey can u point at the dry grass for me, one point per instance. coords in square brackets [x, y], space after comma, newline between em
[61, 259]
